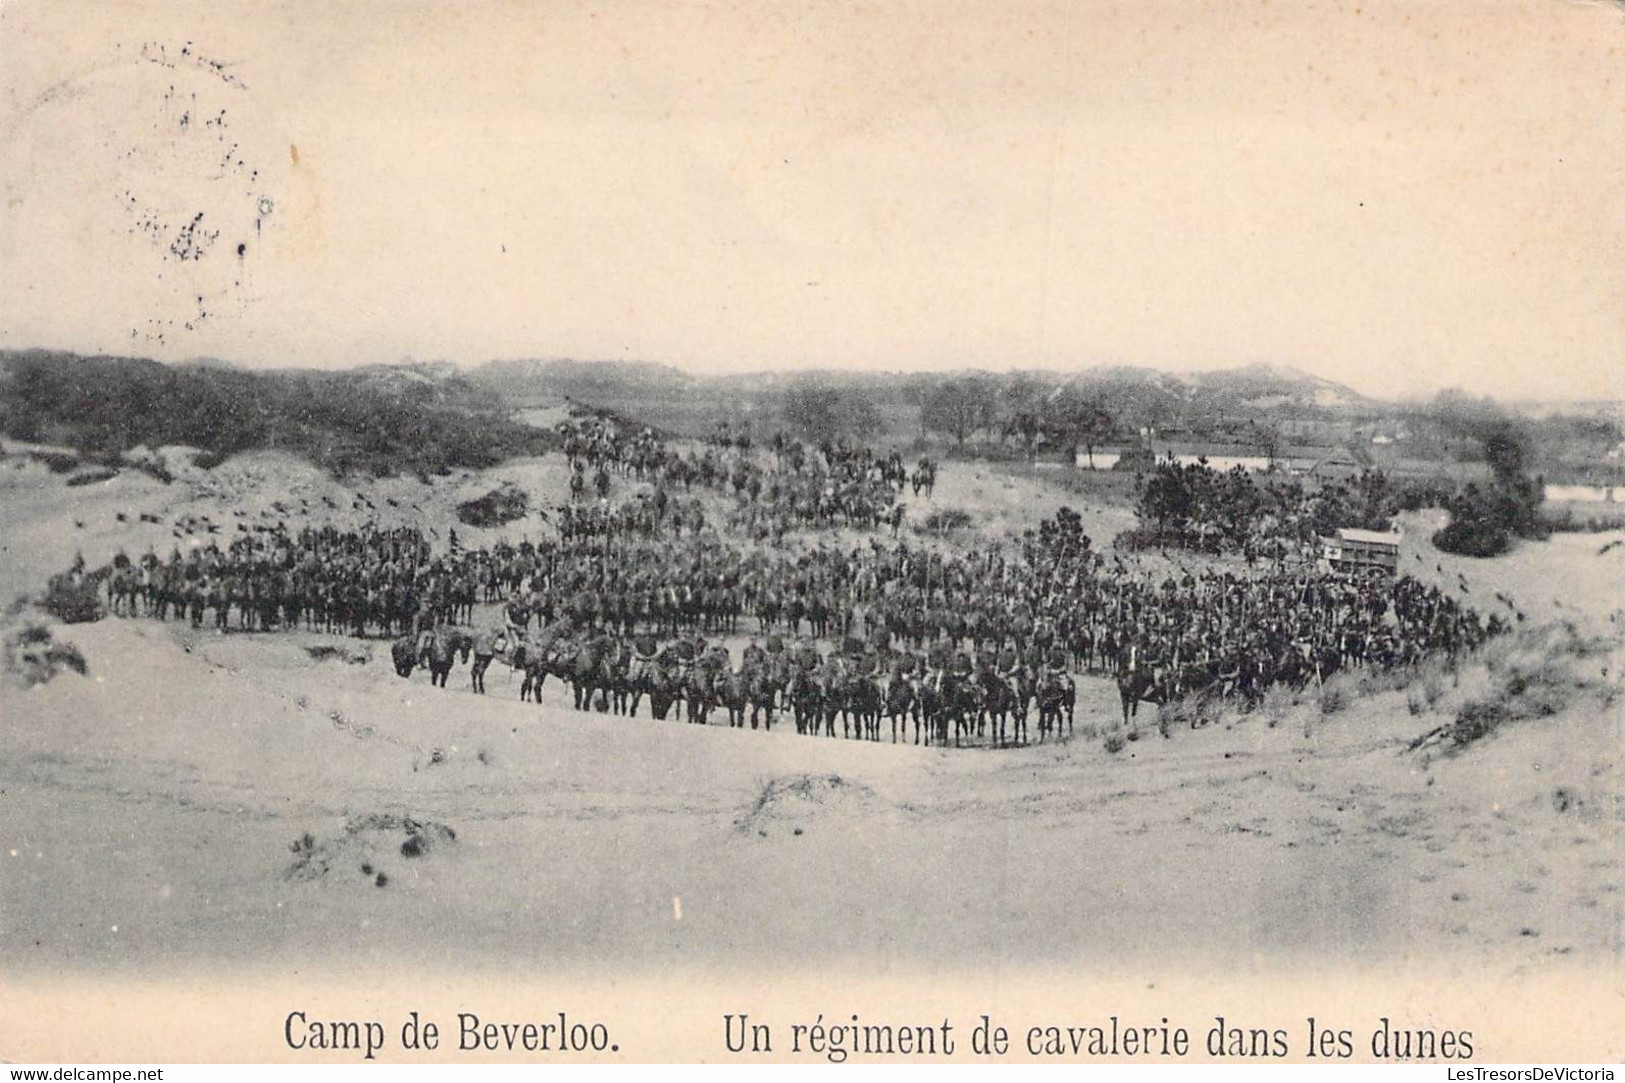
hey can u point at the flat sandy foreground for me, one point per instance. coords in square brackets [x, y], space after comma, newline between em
[215, 802]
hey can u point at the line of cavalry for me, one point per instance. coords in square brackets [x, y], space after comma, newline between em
[963, 646]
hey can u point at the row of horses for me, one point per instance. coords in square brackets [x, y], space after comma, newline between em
[605, 675]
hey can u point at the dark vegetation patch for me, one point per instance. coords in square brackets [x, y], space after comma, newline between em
[326, 652]
[792, 796]
[57, 462]
[364, 844]
[34, 656]
[73, 602]
[947, 521]
[91, 475]
[383, 420]
[1197, 506]
[1485, 519]
[504, 504]
[1533, 676]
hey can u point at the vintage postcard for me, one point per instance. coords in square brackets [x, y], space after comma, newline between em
[810, 532]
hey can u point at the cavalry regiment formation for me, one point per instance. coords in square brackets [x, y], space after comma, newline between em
[847, 633]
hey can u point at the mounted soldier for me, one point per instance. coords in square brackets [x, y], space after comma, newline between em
[516, 617]
[1006, 670]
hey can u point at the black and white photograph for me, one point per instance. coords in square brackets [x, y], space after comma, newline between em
[812, 532]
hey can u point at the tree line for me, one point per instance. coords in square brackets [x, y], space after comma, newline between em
[346, 422]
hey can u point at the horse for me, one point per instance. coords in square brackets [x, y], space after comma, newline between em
[665, 688]
[901, 701]
[123, 589]
[441, 650]
[536, 659]
[766, 681]
[1057, 695]
[734, 692]
[581, 669]
[613, 671]
[863, 707]
[404, 653]
[486, 645]
[999, 702]
[927, 709]
[1136, 685]
[700, 690]
[641, 674]
[806, 696]
[959, 703]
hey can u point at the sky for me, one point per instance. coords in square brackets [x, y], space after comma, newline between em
[1402, 197]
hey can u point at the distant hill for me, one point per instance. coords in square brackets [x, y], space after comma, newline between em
[1265, 385]
[432, 414]
[568, 378]
[1247, 389]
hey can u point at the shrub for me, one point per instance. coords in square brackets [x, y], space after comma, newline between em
[56, 462]
[1485, 519]
[208, 460]
[1473, 537]
[156, 468]
[1418, 493]
[91, 475]
[1187, 712]
[36, 657]
[1541, 691]
[60, 656]
[1114, 743]
[947, 520]
[1334, 696]
[1137, 539]
[1478, 719]
[73, 603]
[1278, 703]
[1532, 679]
[1425, 697]
[501, 505]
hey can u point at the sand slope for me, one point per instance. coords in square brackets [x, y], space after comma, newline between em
[231, 799]
[155, 808]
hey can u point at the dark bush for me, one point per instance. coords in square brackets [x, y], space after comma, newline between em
[208, 460]
[67, 656]
[1419, 493]
[1478, 719]
[56, 462]
[1136, 539]
[1473, 538]
[1196, 506]
[34, 656]
[93, 474]
[1485, 519]
[501, 505]
[947, 520]
[383, 420]
[73, 603]
[156, 468]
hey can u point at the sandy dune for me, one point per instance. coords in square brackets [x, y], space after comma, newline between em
[233, 799]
